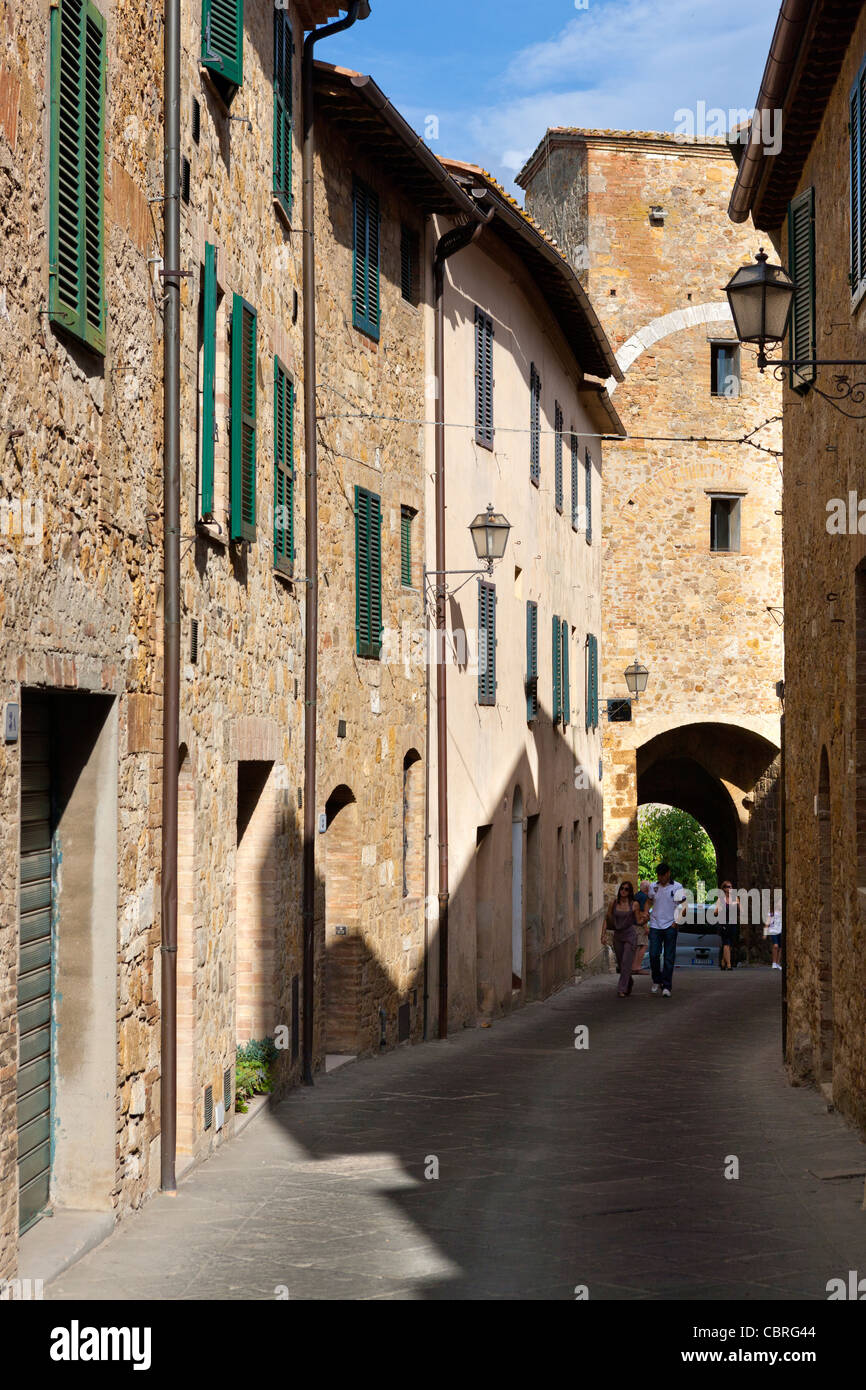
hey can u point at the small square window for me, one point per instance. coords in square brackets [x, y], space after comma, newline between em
[724, 369]
[725, 523]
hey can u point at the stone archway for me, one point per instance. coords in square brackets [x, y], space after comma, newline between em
[343, 944]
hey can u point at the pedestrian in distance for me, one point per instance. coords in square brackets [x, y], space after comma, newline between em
[667, 896]
[642, 898]
[773, 929]
[727, 917]
[622, 920]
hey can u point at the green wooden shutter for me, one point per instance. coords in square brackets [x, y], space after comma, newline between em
[857, 144]
[222, 39]
[406, 515]
[591, 682]
[534, 425]
[483, 379]
[208, 401]
[283, 54]
[410, 258]
[566, 689]
[76, 286]
[531, 661]
[801, 268]
[243, 435]
[365, 275]
[588, 499]
[368, 573]
[556, 649]
[284, 469]
[486, 643]
[558, 456]
[575, 483]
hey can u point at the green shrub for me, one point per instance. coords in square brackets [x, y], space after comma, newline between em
[253, 1071]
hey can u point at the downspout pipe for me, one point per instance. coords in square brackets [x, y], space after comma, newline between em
[171, 600]
[454, 240]
[359, 9]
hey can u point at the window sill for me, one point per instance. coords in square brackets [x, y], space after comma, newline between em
[212, 531]
[222, 99]
[857, 297]
[284, 216]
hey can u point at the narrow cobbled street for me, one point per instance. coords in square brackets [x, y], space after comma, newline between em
[558, 1167]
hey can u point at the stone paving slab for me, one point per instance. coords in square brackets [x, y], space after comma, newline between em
[557, 1167]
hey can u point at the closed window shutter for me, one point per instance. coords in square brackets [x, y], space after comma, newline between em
[483, 379]
[801, 268]
[222, 39]
[591, 682]
[409, 264]
[208, 399]
[406, 547]
[365, 274]
[243, 432]
[566, 688]
[558, 456]
[284, 469]
[588, 500]
[368, 573]
[575, 482]
[486, 643]
[283, 53]
[531, 661]
[857, 144]
[556, 649]
[534, 425]
[76, 295]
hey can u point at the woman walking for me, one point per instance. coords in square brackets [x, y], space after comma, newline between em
[623, 919]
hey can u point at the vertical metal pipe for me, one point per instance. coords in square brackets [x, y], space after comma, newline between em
[171, 596]
[311, 531]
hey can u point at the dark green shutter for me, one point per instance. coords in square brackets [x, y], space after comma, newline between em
[243, 436]
[575, 482]
[208, 400]
[588, 500]
[558, 456]
[857, 142]
[368, 573]
[222, 39]
[591, 682]
[365, 273]
[534, 425]
[566, 688]
[483, 379]
[406, 515]
[801, 268]
[531, 661]
[283, 54]
[284, 469]
[409, 264]
[76, 284]
[486, 643]
[556, 650]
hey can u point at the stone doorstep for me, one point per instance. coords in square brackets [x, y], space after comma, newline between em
[60, 1240]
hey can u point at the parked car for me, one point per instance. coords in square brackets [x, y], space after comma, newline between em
[699, 944]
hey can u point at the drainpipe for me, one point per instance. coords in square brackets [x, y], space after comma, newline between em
[457, 239]
[359, 9]
[171, 592]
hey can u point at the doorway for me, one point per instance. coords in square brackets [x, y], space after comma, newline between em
[824, 898]
[517, 890]
[343, 944]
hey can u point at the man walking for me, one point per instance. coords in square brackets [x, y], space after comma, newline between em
[666, 894]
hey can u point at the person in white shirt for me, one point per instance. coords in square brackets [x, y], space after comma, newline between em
[774, 932]
[666, 896]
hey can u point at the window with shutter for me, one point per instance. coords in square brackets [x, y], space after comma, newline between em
[410, 264]
[483, 379]
[575, 482]
[222, 43]
[406, 515]
[857, 144]
[284, 469]
[531, 661]
[588, 498]
[591, 682]
[556, 653]
[534, 425]
[208, 394]
[368, 573]
[801, 268]
[557, 456]
[365, 273]
[284, 49]
[486, 643]
[566, 685]
[76, 284]
[243, 421]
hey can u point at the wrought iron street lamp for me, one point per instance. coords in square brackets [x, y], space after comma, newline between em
[636, 677]
[489, 533]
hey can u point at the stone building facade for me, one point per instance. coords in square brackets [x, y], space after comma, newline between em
[825, 552]
[692, 570]
[522, 348]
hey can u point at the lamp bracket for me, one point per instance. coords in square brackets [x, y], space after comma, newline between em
[844, 389]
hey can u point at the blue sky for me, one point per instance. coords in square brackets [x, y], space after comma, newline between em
[497, 73]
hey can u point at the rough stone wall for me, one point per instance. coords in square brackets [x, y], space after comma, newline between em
[242, 701]
[824, 689]
[381, 701]
[79, 608]
[698, 620]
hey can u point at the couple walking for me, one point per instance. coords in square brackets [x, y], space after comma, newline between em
[627, 915]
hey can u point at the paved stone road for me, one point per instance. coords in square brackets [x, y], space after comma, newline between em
[557, 1167]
